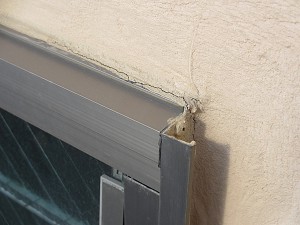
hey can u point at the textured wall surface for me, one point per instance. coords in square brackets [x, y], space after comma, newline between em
[241, 59]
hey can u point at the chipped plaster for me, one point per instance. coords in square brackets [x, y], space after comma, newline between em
[239, 59]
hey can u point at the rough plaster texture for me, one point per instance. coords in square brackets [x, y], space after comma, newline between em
[241, 59]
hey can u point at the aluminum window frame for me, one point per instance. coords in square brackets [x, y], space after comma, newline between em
[45, 82]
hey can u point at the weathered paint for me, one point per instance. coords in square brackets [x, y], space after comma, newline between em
[241, 59]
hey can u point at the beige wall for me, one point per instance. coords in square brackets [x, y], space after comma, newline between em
[240, 59]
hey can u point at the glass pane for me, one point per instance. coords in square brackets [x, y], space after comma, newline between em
[44, 180]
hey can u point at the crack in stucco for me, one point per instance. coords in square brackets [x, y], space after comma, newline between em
[189, 103]
[191, 54]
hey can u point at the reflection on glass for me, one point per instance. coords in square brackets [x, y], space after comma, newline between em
[44, 180]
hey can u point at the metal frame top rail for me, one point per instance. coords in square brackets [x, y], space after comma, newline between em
[84, 105]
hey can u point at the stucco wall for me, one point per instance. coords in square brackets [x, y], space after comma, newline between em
[240, 59]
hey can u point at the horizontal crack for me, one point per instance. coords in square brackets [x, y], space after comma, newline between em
[187, 103]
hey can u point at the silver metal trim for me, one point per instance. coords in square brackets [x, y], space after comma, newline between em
[177, 151]
[176, 181]
[111, 201]
[84, 105]
[141, 205]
